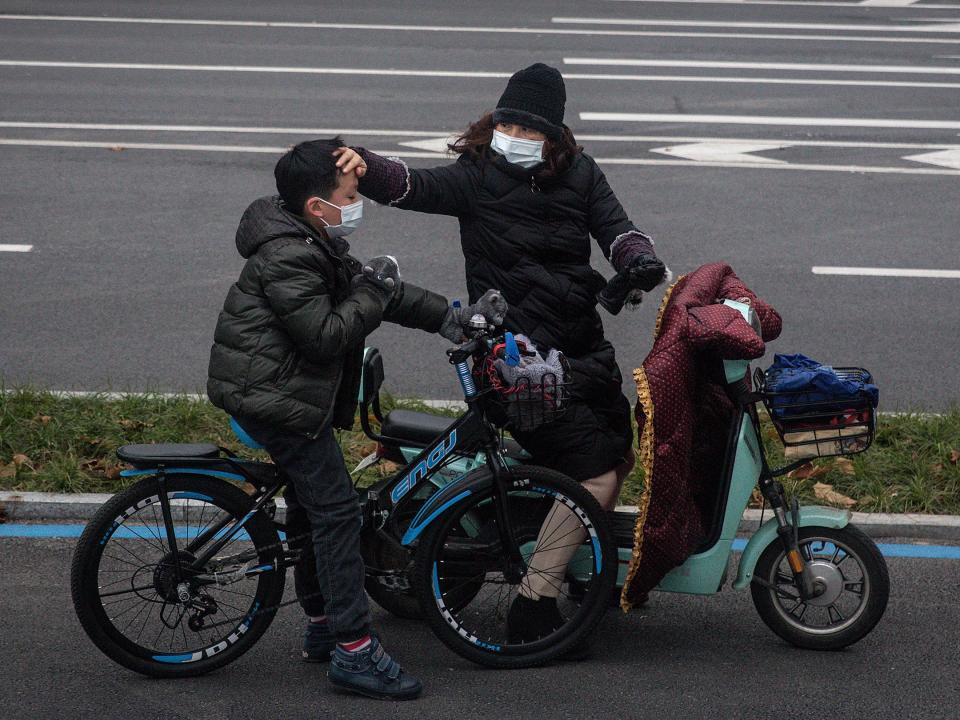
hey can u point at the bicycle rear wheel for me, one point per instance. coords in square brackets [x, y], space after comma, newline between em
[140, 604]
[467, 586]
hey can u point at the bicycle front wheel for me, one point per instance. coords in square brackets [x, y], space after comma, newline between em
[469, 587]
[142, 604]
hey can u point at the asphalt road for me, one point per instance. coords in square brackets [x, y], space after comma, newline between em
[681, 656]
[132, 247]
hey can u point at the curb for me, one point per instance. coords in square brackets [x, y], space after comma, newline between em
[18, 506]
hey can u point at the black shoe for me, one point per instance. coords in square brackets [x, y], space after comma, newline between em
[318, 643]
[529, 620]
[373, 673]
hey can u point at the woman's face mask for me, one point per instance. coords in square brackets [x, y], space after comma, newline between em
[525, 153]
[350, 217]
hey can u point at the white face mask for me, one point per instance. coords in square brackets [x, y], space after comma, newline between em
[525, 153]
[350, 217]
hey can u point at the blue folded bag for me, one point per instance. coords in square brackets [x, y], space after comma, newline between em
[818, 383]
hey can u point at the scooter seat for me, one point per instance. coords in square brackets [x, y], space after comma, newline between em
[166, 452]
[410, 427]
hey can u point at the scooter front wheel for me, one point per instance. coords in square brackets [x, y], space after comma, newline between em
[850, 571]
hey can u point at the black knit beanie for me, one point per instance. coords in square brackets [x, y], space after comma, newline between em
[535, 97]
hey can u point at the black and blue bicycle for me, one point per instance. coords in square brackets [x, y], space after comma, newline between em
[182, 572]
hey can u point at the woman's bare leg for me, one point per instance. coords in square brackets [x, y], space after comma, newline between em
[560, 535]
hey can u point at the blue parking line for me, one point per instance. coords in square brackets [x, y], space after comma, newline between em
[14, 530]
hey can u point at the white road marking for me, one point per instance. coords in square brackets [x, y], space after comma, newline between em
[261, 130]
[885, 272]
[484, 30]
[436, 136]
[951, 27]
[16, 248]
[759, 164]
[722, 152]
[887, 3]
[120, 145]
[801, 3]
[437, 145]
[771, 120]
[721, 64]
[393, 72]
[945, 158]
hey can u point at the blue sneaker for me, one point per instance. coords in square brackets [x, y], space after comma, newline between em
[373, 673]
[318, 643]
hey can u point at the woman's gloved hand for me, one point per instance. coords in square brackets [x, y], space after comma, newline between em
[492, 305]
[382, 275]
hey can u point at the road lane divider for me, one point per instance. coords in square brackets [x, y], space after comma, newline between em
[460, 74]
[738, 65]
[897, 123]
[435, 138]
[886, 272]
[947, 27]
[16, 248]
[486, 30]
[734, 161]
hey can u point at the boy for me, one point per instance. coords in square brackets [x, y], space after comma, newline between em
[286, 364]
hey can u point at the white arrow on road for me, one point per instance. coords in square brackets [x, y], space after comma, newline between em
[437, 145]
[945, 158]
[729, 152]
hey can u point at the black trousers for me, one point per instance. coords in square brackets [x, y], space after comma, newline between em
[321, 501]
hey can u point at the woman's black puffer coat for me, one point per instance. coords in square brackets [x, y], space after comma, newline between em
[529, 237]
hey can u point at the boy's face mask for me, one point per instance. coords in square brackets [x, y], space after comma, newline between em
[525, 153]
[350, 217]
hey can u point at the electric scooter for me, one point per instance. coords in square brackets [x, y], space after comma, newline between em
[816, 580]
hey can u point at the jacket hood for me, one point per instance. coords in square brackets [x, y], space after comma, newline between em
[267, 219]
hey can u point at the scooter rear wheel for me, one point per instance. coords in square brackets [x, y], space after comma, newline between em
[853, 574]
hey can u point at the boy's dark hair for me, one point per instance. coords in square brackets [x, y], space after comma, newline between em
[307, 169]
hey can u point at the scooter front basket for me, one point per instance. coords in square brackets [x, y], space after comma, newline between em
[816, 423]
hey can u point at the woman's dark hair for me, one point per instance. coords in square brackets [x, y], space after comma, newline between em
[307, 170]
[557, 155]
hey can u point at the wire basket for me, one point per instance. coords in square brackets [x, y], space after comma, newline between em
[525, 405]
[812, 423]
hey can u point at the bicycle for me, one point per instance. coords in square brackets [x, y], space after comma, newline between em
[190, 555]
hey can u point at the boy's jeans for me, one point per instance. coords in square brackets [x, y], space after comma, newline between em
[321, 499]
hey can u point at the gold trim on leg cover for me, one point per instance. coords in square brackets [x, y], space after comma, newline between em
[646, 462]
[646, 456]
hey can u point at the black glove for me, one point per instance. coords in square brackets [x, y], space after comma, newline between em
[643, 274]
[491, 305]
[382, 275]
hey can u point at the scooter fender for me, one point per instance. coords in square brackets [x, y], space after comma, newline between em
[473, 482]
[810, 516]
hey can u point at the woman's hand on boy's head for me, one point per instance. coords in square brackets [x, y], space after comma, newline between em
[349, 160]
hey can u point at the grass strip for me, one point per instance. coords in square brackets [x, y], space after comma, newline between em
[53, 443]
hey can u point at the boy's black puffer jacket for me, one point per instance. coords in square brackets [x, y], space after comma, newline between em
[289, 341]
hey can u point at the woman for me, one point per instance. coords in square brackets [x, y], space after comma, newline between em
[528, 199]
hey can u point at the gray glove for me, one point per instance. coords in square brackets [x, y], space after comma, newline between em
[491, 305]
[382, 275]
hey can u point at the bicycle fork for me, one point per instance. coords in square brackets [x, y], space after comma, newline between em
[515, 568]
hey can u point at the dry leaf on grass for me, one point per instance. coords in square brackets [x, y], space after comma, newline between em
[954, 456]
[826, 493]
[134, 424]
[756, 498]
[20, 460]
[8, 471]
[42, 419]
[806, 472]
[845, 465]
